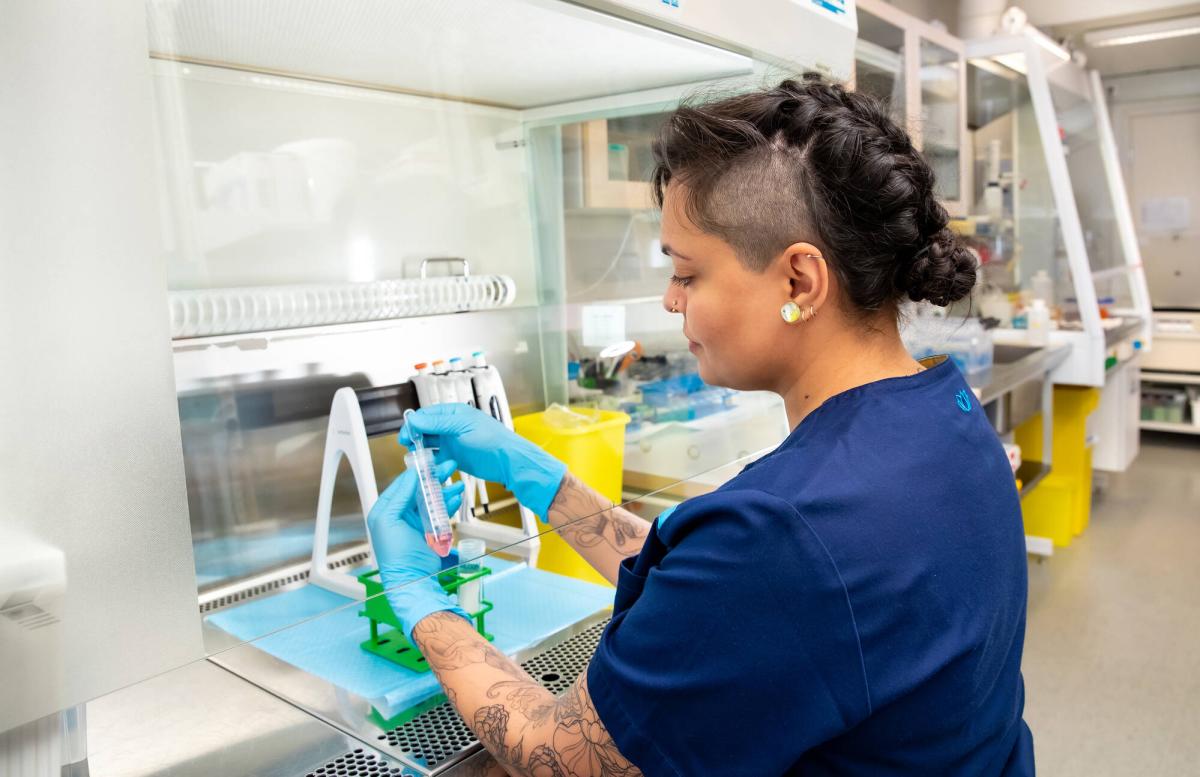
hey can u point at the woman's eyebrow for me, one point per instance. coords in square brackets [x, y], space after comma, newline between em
[666, 249]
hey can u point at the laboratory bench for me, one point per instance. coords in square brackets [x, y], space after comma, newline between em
[1017, 388]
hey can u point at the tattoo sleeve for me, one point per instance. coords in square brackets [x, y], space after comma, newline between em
[601, 532]
[529, 731]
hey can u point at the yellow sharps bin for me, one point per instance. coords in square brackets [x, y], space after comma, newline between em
[595, 453]
[1060, 506]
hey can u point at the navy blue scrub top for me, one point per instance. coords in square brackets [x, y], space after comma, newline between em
[852, 603]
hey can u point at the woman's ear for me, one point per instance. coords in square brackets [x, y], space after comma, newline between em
[808, 273]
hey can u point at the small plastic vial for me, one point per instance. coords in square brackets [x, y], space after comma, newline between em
[470, 558]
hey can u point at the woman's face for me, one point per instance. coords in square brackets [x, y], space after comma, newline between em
[730, 313]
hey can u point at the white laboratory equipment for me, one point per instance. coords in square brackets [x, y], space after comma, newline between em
[33, 581]
[1067, 127]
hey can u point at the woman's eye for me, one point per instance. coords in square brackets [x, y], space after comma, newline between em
[678, 281]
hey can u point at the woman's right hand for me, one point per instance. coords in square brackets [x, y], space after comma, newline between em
[487, 449]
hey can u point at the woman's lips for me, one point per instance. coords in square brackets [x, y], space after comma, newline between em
[693, 346]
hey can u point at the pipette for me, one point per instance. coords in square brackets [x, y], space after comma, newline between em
[432, 506]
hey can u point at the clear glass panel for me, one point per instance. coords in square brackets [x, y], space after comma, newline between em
[620, 350]
[1093, 196]
[1114, 291]
[940, 116]
[879, 63]
[1017, 232]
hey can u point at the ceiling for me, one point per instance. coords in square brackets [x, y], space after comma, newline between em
[1071, 20]
[1071, 12]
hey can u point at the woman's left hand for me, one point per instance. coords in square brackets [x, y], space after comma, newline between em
[407, 566]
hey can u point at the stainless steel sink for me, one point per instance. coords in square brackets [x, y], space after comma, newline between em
[1007, 354]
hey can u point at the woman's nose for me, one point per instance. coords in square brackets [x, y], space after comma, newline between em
[671, 301]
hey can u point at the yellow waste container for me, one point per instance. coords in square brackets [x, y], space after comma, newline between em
[1060, 506]
[593, 452]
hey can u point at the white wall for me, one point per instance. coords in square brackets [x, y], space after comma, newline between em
[1155, 120]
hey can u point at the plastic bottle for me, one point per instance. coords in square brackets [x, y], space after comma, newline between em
[1039, 322]
[1042, 287]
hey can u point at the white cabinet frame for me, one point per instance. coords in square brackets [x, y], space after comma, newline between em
[916, 30]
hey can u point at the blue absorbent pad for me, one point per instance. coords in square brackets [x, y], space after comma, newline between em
[530, 605]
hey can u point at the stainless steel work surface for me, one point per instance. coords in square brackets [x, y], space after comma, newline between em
[1013, 365]
[202, 720]
[1128, 327]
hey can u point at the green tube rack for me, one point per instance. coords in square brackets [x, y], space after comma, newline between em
[392, 644]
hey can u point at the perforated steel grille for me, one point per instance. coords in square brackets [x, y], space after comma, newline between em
[558, 667]
[433, 737]
[358, 764]
[251, 592]
[439, 735]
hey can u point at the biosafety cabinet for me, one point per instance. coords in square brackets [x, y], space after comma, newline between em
[266, 219]
[1052, 219]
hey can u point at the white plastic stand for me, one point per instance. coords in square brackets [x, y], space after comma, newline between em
[347, 436]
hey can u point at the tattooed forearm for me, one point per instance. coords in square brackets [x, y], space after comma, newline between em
[529, 701]
[528, 730]
[604, 534]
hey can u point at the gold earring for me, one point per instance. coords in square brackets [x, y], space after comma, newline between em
[790, 312]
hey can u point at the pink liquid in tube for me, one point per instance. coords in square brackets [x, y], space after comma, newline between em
[441, 546]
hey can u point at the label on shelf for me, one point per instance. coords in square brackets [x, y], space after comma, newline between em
[602, 325]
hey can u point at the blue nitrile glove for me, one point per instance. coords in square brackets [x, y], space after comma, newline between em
[488, 449]
[407, 566]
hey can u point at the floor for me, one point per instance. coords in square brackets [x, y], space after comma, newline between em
[1112, 649]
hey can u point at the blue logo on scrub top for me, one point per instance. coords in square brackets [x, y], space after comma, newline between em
[833, 6]
[963, 398]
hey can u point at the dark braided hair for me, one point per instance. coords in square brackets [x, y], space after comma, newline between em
[809, 161]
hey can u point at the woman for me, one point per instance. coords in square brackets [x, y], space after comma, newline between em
[851, 603]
